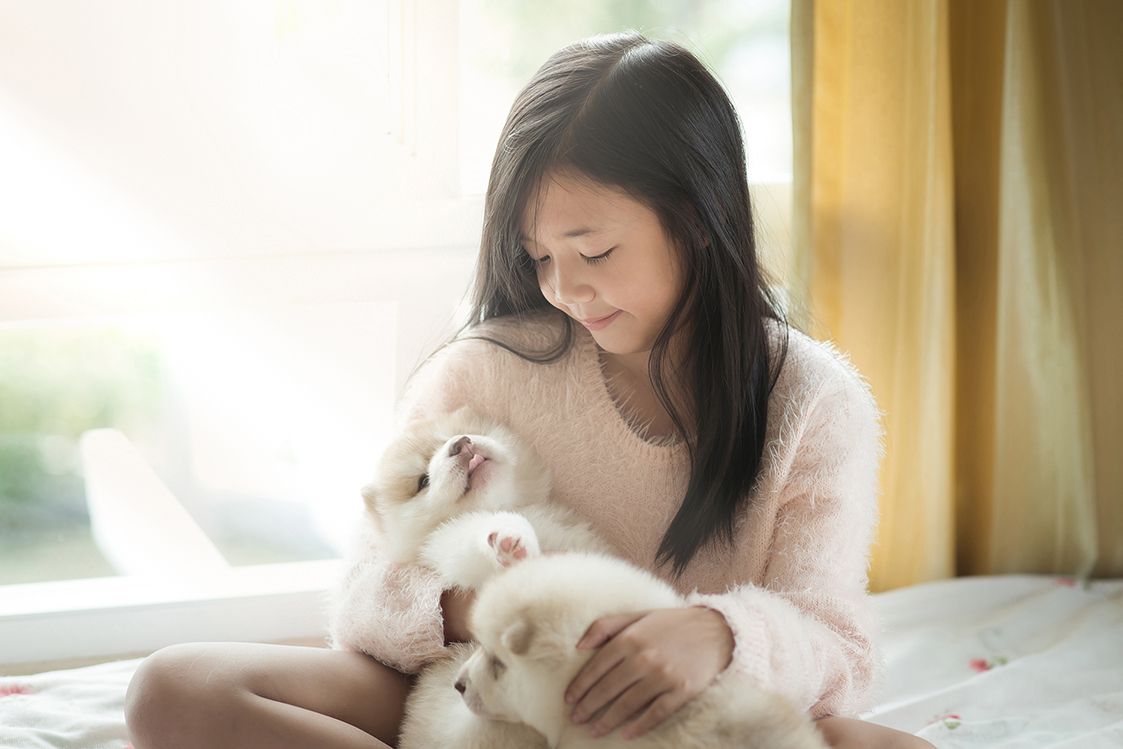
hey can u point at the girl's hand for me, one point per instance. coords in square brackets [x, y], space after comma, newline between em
[455, 605]
[649, 661]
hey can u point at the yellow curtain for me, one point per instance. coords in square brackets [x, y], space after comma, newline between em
[958, 229]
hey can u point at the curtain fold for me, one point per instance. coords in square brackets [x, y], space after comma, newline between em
[957, 191]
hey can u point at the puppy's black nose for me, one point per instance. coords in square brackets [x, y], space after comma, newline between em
[457, 446]
[460, 686]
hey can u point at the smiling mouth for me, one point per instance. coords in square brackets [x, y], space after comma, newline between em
[600, 323]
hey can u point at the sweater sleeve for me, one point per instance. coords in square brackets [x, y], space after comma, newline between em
[808, 631]
[390, 611]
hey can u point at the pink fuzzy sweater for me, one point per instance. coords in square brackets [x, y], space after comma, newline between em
[792, 587]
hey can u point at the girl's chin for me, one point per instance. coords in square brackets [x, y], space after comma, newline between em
[618, 345]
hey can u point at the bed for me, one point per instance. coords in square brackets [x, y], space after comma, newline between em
[1003, 661]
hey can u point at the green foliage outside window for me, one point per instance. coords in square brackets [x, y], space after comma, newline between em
[56, 383]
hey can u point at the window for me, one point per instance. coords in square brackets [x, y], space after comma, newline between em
[228, 231]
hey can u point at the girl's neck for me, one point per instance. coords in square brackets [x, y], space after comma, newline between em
[628, 379]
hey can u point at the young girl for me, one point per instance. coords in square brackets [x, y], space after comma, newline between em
[621, 325]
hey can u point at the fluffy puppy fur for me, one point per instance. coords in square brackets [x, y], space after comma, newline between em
[436, 717]
[527, 623]
[465, 497]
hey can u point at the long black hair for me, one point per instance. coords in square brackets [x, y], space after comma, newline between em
[647, 118]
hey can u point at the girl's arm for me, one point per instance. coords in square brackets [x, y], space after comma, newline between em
[807, 630]
[397, 613]
[389, 611]
[455, 605]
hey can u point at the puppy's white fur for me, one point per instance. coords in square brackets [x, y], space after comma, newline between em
[465, 497]
[436, 717]
[528, 621]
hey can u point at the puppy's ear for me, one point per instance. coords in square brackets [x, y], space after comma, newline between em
[370, 498]
[518, 636]
[465, 419]
[465, 413]
[534, 639]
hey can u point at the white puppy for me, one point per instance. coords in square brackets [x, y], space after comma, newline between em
[465, 497]
[527, 623]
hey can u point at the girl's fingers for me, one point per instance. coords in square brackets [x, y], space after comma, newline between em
[658, 711]
[589, 678]
[607, 627]
[602, 661]
[621, 677]
[627, 706]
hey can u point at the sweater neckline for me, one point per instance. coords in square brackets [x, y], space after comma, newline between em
[617, 419]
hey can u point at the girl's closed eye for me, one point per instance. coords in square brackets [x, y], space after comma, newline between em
[593, 260]
[535, 261]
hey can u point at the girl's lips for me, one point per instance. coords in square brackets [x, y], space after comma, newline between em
[600, 323]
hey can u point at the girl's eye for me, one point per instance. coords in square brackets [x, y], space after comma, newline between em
[598, 258]
[423, 481]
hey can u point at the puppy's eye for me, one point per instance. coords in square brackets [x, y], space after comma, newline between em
[497, 667]
[423, 481]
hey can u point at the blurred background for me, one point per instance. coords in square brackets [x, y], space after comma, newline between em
[230, 230]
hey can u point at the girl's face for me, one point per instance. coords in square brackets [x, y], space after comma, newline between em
[603, 259]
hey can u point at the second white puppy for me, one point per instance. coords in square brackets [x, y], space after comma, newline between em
[528, 622]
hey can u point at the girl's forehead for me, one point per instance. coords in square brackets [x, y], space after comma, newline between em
[565, 206]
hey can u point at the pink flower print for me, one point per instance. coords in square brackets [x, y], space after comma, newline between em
[986, 664]
[10, 689]
[951, 722]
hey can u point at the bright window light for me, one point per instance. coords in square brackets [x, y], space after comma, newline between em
[746, 43]
[263, 423]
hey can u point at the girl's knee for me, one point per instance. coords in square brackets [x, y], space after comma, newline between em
[169, 691]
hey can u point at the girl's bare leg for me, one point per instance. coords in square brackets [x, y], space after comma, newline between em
[246, 696]
[858, 734]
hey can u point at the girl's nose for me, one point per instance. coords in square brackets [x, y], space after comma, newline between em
[569, 288]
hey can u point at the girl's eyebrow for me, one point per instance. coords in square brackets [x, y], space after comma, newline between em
[579, 232]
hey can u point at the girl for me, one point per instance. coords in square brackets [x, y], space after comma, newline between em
[620, 323]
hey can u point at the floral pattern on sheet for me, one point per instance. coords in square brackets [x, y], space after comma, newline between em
[986, 664]
[81, 708]
[7, 690]
[1005, 661]
[951, 722]
[1074, 582]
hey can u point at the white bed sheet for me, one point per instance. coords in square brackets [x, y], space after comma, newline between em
[1013, 661]
[1007, 662]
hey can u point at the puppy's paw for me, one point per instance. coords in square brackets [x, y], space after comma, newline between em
[510, 546]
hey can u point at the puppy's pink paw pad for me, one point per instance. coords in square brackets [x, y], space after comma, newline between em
[509, 547]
